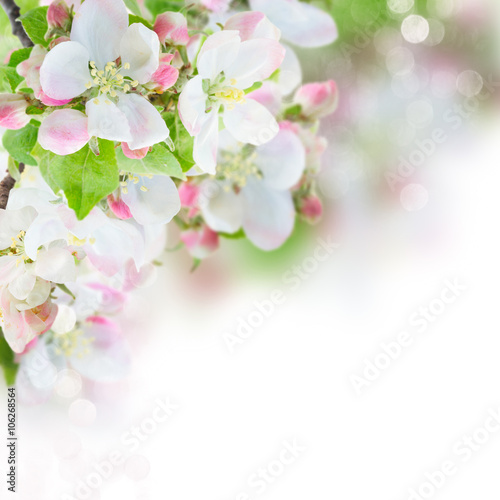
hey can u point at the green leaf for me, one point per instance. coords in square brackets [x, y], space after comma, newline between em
[133, 6]
[158, 6]
[18, 56]
[13, 169]
[35, 24]
[255, 86]
[66, 290]
[182, 140]
[20, 143]
[159, 161]
[34, 110]
[294, 110]
[7, 362]
[137, 19]
[10, 75]
[85, 178]
[234, 236]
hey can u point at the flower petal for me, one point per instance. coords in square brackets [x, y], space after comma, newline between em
[282, 160]
[252, 25]
[290, 75]
[217, 53]
[100, 25]
[257, 60]
[65, 73]
[13, 111]
[269, 95]
[64, 132]
[147, 127]
[56, 265]
[107, 121]
[140, 48]
[192, 105]
[134, 154]
[21, 286]
[45, 229]
[172, 27]
[269, 215]
[300, 23]
[206, 143]
[251, 123]
[222, 209]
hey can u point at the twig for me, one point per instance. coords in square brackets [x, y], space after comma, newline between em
[13, 12]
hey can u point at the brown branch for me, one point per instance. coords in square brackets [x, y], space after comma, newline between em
[13, 12]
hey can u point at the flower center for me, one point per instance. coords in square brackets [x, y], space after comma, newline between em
[126, 177]
[110, 80]
[72, 343]
[236, 167]
[16, 248]
[228, 95]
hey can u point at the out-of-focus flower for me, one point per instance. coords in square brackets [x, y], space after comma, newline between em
[318, 99]
[217, 6]
[58, 15]
[99, 36]
[226, 67]
[311, 208]
[252, 25]
[252, 191]
[200, 242]
[13, 111]
[171, 27]
[300, 23]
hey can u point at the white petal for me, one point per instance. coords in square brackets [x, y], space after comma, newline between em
[217, 53]
[206, 144]
[22, 285]
[65, 320]
[64, 131]
[64, 73]
[45, 229]
[269, 95]
[282, 160]
[99, 25]
[146, 124]
[107, 121]
[39, 294]
[252, 25]
[140, 47]
[14, 220]
[192, 105]
[257, 60]
[221, 209]
[251, 123]
[10, 269]
[56, 265]
[269, 216]
[157, 205]
[290, 75]
[300, 23]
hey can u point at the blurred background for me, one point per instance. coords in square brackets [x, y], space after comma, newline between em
[409, 185]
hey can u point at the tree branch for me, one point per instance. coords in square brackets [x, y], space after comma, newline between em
[13, 11]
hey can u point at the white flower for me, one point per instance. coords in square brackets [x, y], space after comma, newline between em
[105, 53]
[251, 191]
[226, 67]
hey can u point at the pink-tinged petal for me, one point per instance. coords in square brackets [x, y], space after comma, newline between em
[64, 73]
[282, 160]
[56, 265]
[30, 69]
[300, 23]
[206, 144]
[107, 120]
[64, 132]
[269, 215]
[218, 53]
[252, 25]
[10, 269]
[216, 5]
[134, 154]
[139, 277]
[58, 14]
[147, 127]
[100, 25]
[188, 194]
[192, 105]
[251, 123]
[13, 111]
[311, 208]
[222, 209]
[140, 48]
[164, 77]
[119, 207]
[153, 201]
[200, 243]
[171, 27]
[48, 101]
[111, 300]
[318, 99]
[269, 95]
[257, 60]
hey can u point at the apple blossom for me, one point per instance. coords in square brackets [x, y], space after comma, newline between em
[100, 36]
[13, 111]
[317, 99]
[226, 67]
[200, 242]
[171, 27]
[58, 14]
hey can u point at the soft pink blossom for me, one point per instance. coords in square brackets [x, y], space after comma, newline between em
[201, 242]
[58, 14]
[311, 208]
[134, 154]
[13, 111]
[318, 99]
[171, 27]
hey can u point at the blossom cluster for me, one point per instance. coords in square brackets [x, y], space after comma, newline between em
[122, 118]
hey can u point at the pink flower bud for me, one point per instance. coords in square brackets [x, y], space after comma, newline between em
[171, 27]
[200, 243]
[13, 111]
[189, 193]
[134, 154]
[164, 77]
[118, 207]
[58, 15]
[318, 99]
[311, 208]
